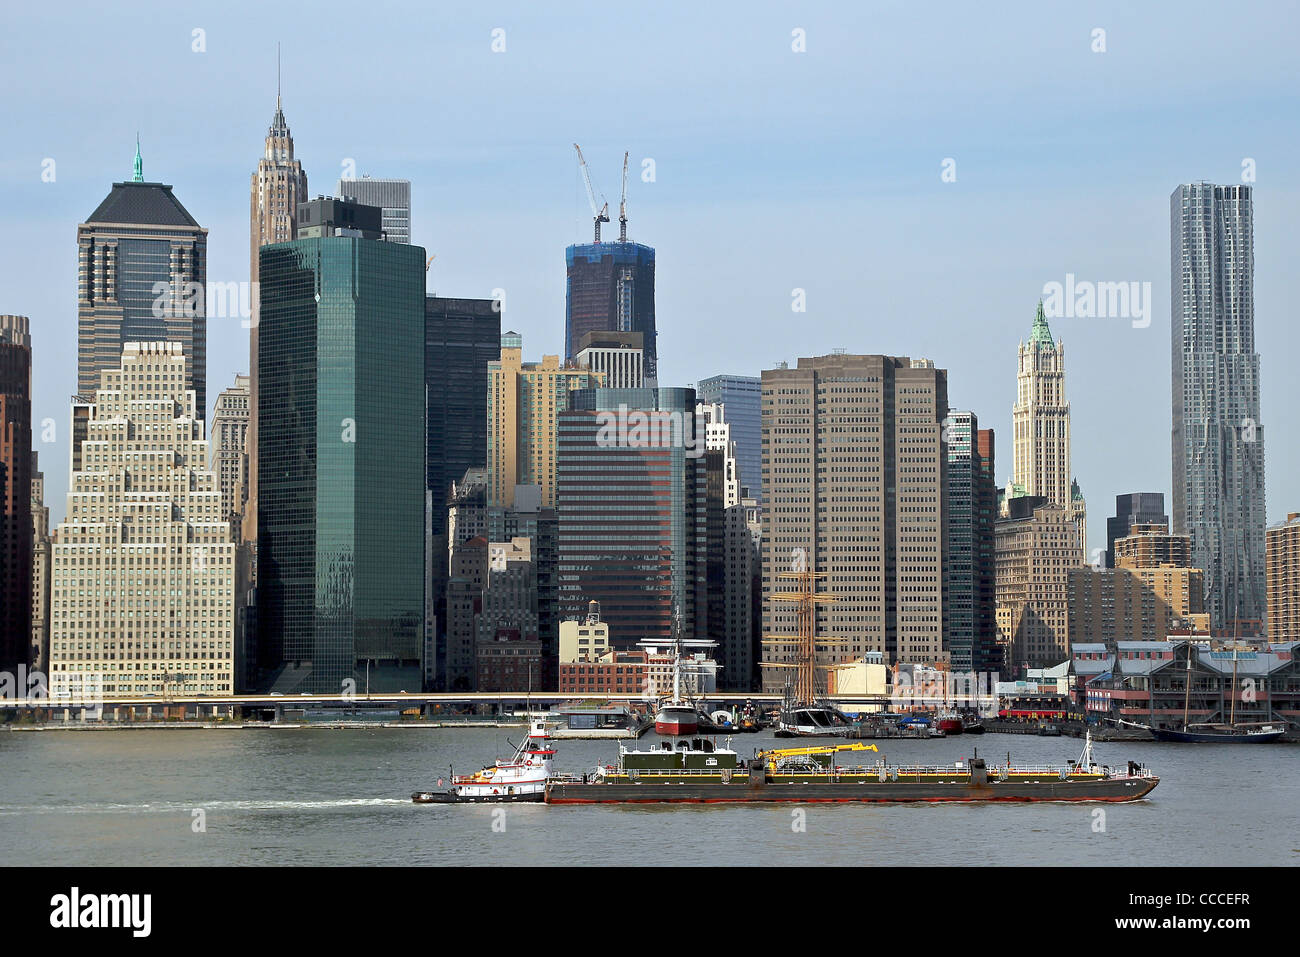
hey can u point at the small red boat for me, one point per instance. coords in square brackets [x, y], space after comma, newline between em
[949, 722]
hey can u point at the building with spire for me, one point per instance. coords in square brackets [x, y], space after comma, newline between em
[141, 275]
[1041, 426]
[278, 185]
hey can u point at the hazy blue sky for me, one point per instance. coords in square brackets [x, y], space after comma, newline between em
[774, 170]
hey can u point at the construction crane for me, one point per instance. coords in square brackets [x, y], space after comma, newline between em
[622, 206]
[600, 215]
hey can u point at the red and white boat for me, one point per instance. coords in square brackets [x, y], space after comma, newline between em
[521, 778]
[676, 719]
[949, 722]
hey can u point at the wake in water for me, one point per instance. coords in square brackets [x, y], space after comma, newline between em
[172, 807]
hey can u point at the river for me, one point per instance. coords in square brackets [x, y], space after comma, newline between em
[274, 796]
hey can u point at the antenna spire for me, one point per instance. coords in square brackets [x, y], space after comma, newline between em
[139, 161]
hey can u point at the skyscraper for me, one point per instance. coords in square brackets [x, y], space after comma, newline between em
[970, 516]
[742, 397]
[146, 541]
[1133, 508]
[631, 504]
[524, 401]
[393, 196]
[1218, 438]
[855, 474]
[15, 491]
[42, 548]
[341, 540]
[619, 355]
[278, 185]
[142, 272]
[611, 288]
[228, 448]
[1041, 425]
[1037, 545]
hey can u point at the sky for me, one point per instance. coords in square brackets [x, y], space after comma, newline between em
[920, 171]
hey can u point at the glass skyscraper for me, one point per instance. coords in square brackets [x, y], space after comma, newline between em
[742, 396]
[611, 288]
[341, 444]
[1218, 438]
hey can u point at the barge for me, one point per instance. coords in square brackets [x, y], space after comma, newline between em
[698, 772]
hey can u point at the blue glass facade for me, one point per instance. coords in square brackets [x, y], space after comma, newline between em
[610, 287]
[341, 442]
[742, 396]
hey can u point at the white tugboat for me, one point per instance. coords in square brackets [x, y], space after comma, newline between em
[521, 778]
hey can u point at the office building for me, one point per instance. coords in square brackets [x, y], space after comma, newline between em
[741, 397]
[15, 491]
[1036, 546]
[141, 277]
[393, 196]
[508, 650]
[970, 516]
[228, 457]
[276, 188]
[1218, 436]
[143, 568]
[1282, 561]
[341, 440]
[631, 505]
[524, 402]
[854, 477]
[42, 552]
[1134, 508]
[620, 356]
[610, 287]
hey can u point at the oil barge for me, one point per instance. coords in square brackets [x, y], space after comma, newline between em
[696, 771]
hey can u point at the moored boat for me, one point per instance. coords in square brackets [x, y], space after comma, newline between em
[1219, 734]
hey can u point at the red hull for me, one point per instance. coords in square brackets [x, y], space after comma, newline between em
[949, 725]
[673, 726]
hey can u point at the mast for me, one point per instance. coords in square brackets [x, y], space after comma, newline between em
[1187, 685]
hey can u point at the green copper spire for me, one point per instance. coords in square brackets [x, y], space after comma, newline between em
[139, 162]
[1040, 332]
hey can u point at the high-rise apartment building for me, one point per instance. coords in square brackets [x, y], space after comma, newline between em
[631, 504]
[341, 441]
[15, 491]
[1036, 544]
[1041, 425]
[278, 185]
[1218, 437]
[524, 401]
[42, 550]
[142, 273]
[855, 474]
[1282, 561]
[987, 657]
[228, 456]
[143, 568]
[610, 287]
[1133, 508]
[1150, 545]
[393, 196]
[742, 399]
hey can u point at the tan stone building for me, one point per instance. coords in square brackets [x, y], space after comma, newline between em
[1282, 568]
[1036, 547]
[229, 450]
[1150, 545]
[853, 481]
[143, 569]
[1107, 605]
[1041, 425]
[524, 401]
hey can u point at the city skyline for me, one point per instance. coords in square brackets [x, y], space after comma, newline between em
[952, 304]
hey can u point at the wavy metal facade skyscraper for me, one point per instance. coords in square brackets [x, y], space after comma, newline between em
[1218, 439]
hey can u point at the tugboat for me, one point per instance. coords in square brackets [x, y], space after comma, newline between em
[949, 722]
[698, 772]
[522, 778]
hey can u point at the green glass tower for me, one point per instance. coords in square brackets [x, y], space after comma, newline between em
[341, 446]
